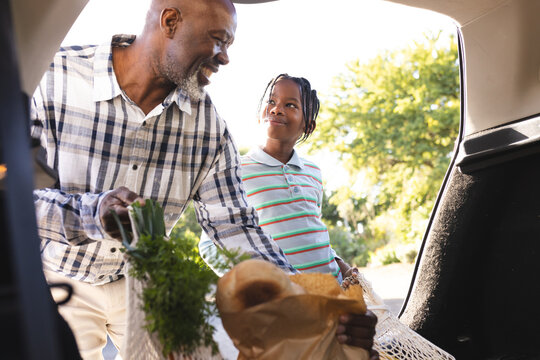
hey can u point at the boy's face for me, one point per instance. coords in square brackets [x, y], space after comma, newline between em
[282, 115]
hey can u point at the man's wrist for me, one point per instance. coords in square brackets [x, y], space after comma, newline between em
[97, 217]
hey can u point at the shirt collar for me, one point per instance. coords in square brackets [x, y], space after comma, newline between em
[105, 84]
[257, 154]
[181, 98]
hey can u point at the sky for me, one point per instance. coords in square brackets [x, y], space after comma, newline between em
[309, 38]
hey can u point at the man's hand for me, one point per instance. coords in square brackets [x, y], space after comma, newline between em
[117, 200]
[358, 330]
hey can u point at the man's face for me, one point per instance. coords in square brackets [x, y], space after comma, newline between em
[199, 47]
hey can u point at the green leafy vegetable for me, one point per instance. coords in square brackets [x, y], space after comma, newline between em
[176, 280]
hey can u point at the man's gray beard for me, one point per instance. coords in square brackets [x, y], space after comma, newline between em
[191, 86]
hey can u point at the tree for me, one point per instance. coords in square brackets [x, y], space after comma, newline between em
[394, 120]
[188, 226]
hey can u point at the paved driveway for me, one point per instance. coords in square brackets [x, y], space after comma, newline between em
[390, 282]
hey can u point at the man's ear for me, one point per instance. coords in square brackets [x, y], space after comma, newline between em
[169, 19]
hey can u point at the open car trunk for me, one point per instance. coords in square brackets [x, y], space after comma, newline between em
[475, 282]
[474, 293]
[476, 279]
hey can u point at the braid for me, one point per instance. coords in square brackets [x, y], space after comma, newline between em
[310, 101]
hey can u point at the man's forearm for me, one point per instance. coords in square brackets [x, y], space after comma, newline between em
[67, 217]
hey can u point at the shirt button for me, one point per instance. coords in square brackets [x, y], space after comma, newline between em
[134, 167]
[296, 189]
[285, 167]
[290, 178]
[113, 250]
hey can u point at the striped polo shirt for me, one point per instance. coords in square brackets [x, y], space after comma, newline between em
[288, 199]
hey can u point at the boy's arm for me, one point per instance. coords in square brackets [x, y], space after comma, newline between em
[343, 266]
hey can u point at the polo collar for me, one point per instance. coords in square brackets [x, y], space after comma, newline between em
[106, 86]
[257, 154]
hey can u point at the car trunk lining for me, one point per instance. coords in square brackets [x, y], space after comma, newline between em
[475, 290]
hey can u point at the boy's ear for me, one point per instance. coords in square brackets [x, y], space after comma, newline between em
[169, 19]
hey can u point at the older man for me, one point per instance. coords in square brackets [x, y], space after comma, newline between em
[128, 120]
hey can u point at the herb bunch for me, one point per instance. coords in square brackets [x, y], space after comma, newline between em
[176, 282]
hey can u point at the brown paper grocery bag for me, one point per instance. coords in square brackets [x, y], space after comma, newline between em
[295, 327]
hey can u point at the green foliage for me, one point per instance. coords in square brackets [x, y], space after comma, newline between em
[393, 120]
[188, 226]
[410, 256]
[389, 257]
[243, 150]
[352, 249]
[330, 211]
[224, 260]
[176, 280]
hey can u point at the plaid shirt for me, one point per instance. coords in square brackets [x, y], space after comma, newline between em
[98, 140]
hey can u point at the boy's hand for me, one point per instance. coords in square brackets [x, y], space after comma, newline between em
[358, 330]
[346, 269]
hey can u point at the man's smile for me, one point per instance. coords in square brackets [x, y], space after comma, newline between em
[206, 71]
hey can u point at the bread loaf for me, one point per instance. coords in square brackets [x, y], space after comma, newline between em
[318, 284]
[253, 282]
[326, 284]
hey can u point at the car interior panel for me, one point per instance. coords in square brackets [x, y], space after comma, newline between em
[31, 325]
[500, 144]
[477, 276]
